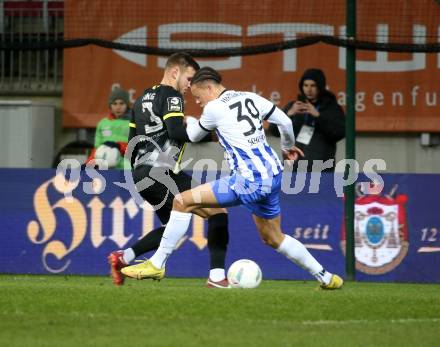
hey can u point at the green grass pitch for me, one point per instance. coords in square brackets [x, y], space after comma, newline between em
[89, 311]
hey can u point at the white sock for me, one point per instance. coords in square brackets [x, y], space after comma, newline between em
[128, 256]
[324, 276]
[298, 253]
[175, 229]
[216, 275]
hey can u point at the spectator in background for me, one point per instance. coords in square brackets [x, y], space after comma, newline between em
[318, 121]
[111, 135]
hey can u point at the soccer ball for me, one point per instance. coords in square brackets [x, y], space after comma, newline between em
[244, 273]
[108, 154]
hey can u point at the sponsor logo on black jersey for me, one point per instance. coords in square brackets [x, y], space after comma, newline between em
[174, 104]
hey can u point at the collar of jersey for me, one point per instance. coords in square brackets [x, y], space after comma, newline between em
[226, 90]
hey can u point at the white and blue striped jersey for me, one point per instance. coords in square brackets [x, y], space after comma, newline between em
[237, 117]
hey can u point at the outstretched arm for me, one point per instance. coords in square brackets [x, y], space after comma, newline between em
[290, 151]
[285, 128]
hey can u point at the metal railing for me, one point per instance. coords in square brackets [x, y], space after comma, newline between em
[31, 72]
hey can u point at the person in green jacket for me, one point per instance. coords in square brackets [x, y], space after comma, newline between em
[111, 135]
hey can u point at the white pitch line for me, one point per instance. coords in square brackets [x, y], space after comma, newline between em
[317, 322]
[365, 321]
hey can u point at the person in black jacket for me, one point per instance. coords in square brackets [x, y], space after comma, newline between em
[318, 122]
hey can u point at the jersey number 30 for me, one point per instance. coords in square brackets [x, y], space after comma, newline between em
[253, 112]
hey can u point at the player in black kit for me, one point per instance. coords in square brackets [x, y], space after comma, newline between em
[158, 134]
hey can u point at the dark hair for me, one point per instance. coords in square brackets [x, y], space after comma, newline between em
[315, 75]
[182, 60]
[206, 73]
[318, 77]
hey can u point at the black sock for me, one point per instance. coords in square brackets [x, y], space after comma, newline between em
[149, 242]
[218, 238]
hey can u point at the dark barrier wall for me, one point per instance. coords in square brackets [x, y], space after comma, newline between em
[45, 229]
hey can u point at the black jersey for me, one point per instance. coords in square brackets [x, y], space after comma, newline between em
[152, 111]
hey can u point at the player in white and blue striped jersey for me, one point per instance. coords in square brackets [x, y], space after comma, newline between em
[237, 118]
[256, 174]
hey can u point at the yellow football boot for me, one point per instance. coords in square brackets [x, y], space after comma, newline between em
[336, 282]
[144, 270]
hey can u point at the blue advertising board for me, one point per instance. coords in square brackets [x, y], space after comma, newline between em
[49, 225]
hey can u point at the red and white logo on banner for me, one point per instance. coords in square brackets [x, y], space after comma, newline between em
[380, 233]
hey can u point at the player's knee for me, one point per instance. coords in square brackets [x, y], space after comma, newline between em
[269, 240]
[179, 203]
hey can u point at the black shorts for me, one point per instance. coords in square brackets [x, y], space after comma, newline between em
[160, 195]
